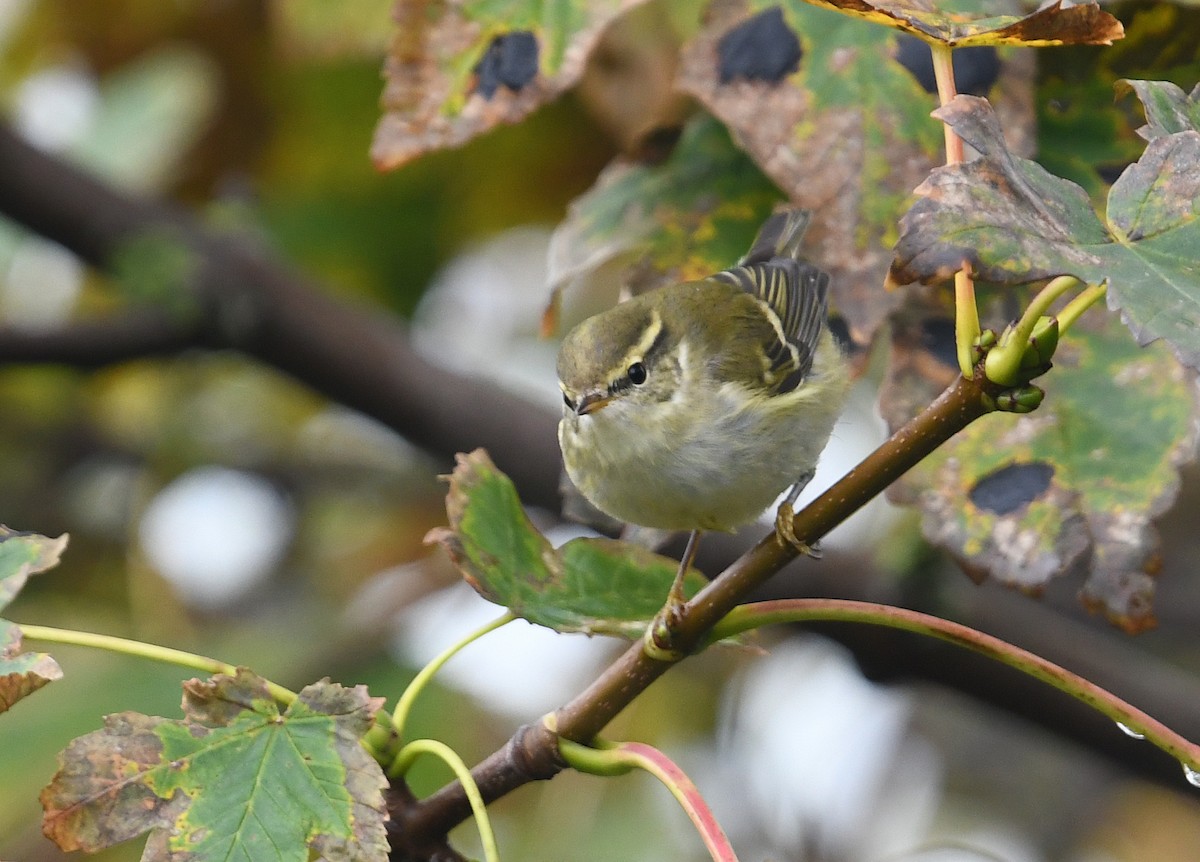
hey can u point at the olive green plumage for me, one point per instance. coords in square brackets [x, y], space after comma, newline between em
[694, 406]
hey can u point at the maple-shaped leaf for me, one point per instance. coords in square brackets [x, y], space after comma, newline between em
[233, 779]
[597, 586]
[21, 555]
[1024, 499]
[1056, 23]
[1012, 221]
[457, 69]
[694, 214]
[1083, 133]
[836, 111]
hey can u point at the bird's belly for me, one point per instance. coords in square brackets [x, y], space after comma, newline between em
[715, 475]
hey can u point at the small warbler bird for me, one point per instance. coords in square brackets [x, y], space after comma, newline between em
[692, 407]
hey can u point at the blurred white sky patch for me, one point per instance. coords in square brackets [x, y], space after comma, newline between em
[54, 108]
[41, 285]
[133, 128]
[815, 758]
[519, 671]
[482, 313]
[214, 534]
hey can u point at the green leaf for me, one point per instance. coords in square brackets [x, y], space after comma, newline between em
[597, 586]
[691, 216]
[1168, 109]
[456, 70]
[1023, 498]
[234, 779]
[1053, 24]
[1083, 133]
[24, 554]
[1014, 222]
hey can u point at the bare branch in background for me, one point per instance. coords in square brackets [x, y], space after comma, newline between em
[255, 303]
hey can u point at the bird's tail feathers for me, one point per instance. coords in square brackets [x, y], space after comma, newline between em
[780, 236]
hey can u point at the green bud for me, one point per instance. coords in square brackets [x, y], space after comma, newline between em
[1024, 399]
[985, 342]
[1043, 341]
[986, 339]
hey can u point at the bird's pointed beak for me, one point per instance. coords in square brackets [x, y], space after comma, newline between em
[592, 402]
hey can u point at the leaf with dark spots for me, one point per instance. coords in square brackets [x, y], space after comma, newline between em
[762, 48]
[597, 586]
[1012, 487]
[937, 338]
[846, 135]
[456, 70]
[1057, 23]
[923, 359]
[1023, 499]
[510, 60]
[1013, 222]
[1024, 547]
[975, 69]
[313, 790]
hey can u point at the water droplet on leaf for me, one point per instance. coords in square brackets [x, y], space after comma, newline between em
[1192, 775]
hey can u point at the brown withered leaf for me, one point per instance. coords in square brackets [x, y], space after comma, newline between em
[21, 673]
[456, 70]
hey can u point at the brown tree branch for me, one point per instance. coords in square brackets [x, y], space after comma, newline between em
[254, 302]
[532, 753]
[97, 343]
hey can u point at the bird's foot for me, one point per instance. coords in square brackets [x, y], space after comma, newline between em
[785, 532]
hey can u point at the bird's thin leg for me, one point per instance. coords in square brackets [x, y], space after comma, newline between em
[676, 599]
[784, 516]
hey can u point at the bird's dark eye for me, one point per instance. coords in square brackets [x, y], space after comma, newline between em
[637, 374]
